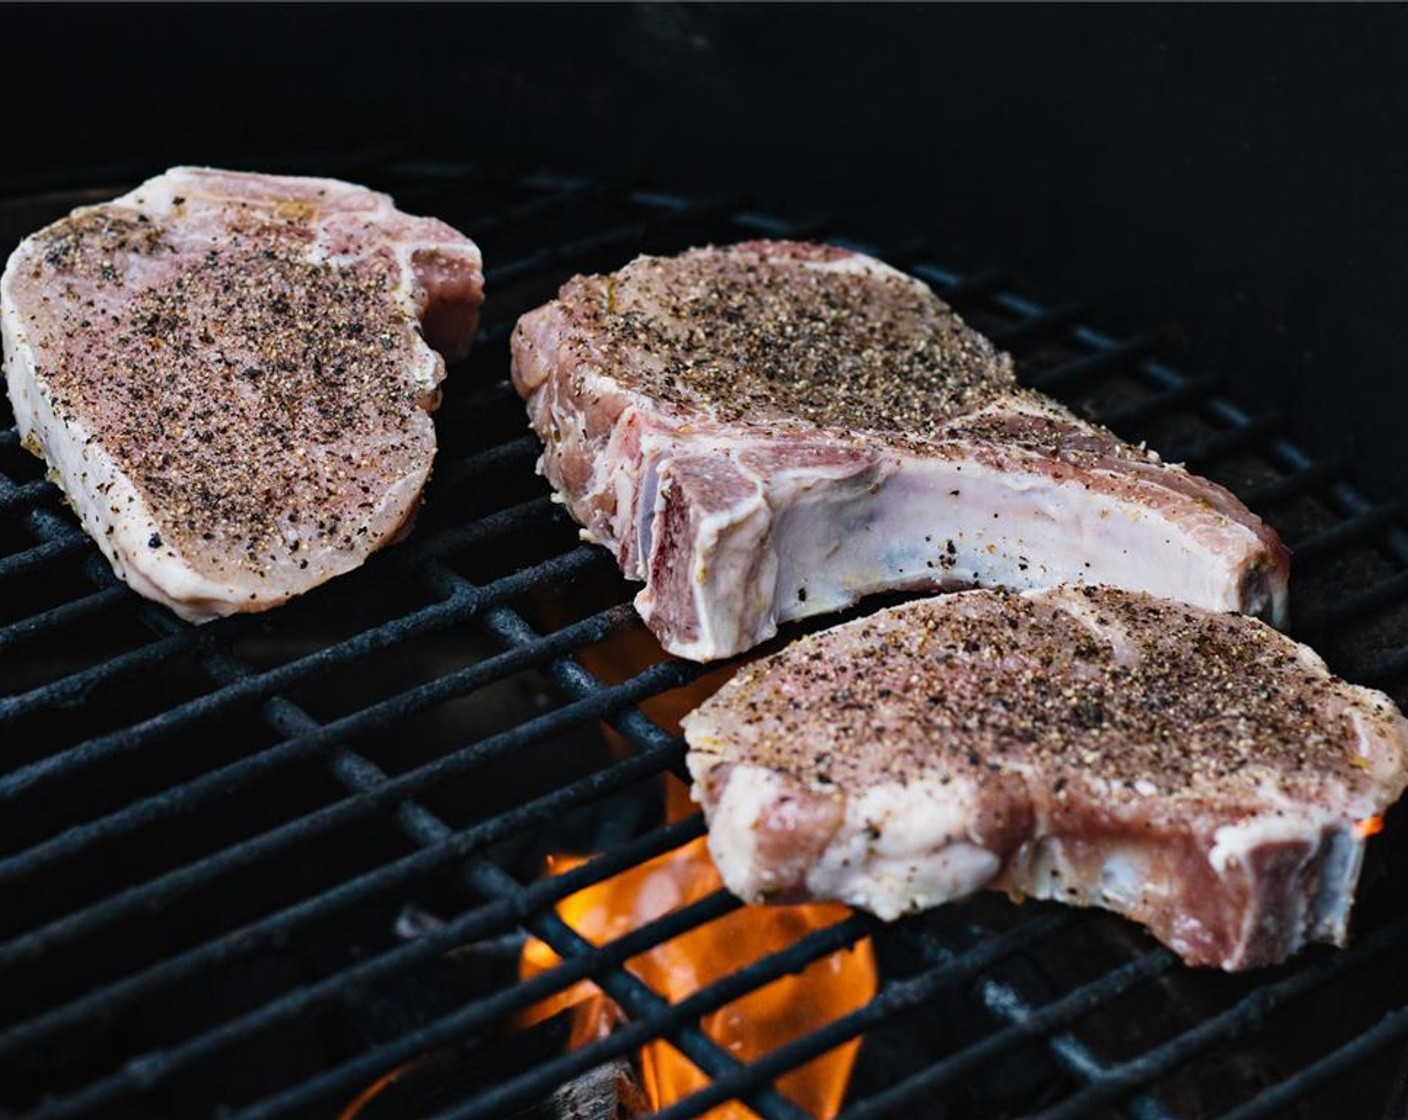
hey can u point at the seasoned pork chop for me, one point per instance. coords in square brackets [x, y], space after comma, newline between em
[1198, 772]
[773, 430]
[229, 376]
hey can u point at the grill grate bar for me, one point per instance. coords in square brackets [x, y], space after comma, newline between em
[1030, 328]
[147, 1070]
[1378, 596]
[1381, 671]
[509, 626]
[75, 610]
[571, 254]
[22, 563]
[512, 903]
[305, 738]
[534, 512]
[163, 888]
[671, 1018]
[519, 452]
[64, 689]
[636, 999]
[493, 524]
[272, 928]
[1007, 1001]
[1351, 501]
[454, 608]
[890, 1001]
[1342, 535]
[959, 287]
[1193, 391]
[434, 180]
[1120, 1080]
[1027, 1024]
[1229, 441]
[16, 496]
[1391, 1028]
[484, 1013]
[555, 202]
[364, 778]
[457, 607]
[970, 287]
[1089, 366]
[1293, 485]
[1077, 1058]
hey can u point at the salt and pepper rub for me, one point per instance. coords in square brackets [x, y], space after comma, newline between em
[1198, 772]
[775, 430]
[229, 376]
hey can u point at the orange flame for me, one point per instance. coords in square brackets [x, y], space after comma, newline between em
[747, 1028]
[1369, 826]
[379, 1086]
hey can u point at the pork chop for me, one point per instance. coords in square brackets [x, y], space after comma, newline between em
[229, 376]
[774, 430]
[1198, 772]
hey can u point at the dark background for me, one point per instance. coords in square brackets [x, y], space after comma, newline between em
[1236, 177]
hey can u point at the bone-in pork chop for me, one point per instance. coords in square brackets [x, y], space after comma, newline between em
[1199, 772]
[774, 430]
[230, 376]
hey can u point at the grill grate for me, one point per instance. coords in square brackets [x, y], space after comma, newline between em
[229, 820]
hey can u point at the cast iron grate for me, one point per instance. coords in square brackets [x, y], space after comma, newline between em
[248, 869]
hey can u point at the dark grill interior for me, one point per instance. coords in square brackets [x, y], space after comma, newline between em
[250, 868]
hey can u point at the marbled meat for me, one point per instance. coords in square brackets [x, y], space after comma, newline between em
[1198, 772]
[774, 430]
[231, 376]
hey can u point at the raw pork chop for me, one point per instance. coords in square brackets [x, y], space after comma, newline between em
[773, 430]
[1198, 772]
[227, 375]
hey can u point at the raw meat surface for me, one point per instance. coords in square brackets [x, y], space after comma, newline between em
[774, 430]
[228, 374]
[1198, 772]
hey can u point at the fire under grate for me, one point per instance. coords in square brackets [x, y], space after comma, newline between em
[253, 869]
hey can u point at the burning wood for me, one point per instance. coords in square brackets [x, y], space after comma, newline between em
[608, 1092]
[747, 1028]
[425, 1084]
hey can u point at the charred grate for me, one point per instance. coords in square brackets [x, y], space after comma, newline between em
[248, 869]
